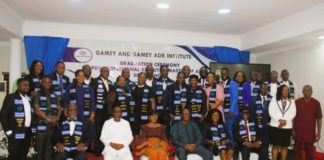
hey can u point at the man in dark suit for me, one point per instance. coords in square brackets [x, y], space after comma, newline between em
[246, 135]
[16, 116]
[60, 81]
[260, 114]
[71, 138]
[101, 85]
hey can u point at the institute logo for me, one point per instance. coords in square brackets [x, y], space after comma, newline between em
[83, 55]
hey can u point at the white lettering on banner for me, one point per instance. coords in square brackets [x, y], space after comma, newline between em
[135, 56]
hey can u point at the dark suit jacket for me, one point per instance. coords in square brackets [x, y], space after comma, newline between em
[236, 133]
[7, 113]
[58, 138]
[54, 77]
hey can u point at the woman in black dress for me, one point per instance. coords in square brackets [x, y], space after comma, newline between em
[143, 97]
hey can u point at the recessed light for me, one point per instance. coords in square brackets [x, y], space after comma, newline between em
[320, 37]
[224, 11]
[162, 5]
[75, 0]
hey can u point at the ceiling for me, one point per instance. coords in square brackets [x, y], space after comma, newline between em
[188, 15]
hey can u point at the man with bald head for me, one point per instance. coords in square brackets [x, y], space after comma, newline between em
[273, 84]
[101, 85]
[130, 85]
[187, 71]
[87, 72]
[309, 115]
[293, 90]
[149, 71]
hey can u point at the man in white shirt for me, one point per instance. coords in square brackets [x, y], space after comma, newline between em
[149, 71]
[273, 84]
[16, 117]
[87, 71]
[187, 71]
[116, 135]
[293, 90]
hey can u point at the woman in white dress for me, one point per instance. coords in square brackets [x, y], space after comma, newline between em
[116, 135]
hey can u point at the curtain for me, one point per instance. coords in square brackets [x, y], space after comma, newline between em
[49, 50]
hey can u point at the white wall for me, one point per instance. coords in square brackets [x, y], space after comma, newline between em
[129, 34]
[5, 57]
[305, 65]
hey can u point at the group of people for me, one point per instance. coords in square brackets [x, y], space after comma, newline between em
[208, 115]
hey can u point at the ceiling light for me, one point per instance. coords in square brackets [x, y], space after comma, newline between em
[162, 5]
[224, 11]
[75, 0]
[320, 37]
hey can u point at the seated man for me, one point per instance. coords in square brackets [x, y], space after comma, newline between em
[71, 137]
[187, 138]
[246, 135]
[116, 135]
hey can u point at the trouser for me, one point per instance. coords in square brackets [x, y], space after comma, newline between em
[245, 152]
[308, 148]
[44, 147]
[229, 122]
[18, 149]
[200, 150]
[76, 155]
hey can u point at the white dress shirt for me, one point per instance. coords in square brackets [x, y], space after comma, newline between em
[87, 81]
[72, 127]
[276, 113]
[105, 82]
[149, 82]
[247, 125]
[27, 110]
[273, 89]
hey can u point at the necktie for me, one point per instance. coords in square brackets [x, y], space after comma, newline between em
[203, 84]
[284, 105]
[247, 129]
[264, 103]
[61, 84]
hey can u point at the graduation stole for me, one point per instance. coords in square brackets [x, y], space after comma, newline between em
[76, 136]
[180, 101]
[19, 115]
[121, 97]
[227, 99]
[259, 111]
[86, 99]
[291, 89]
[100, 95]
[212, 95]
[56, 87]
[255, 90]
[37, 84]
[145, 104]
[43, 107]
[218, 134]
[196, 103]
[240, 97]
[243, 133]
[159, 92]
